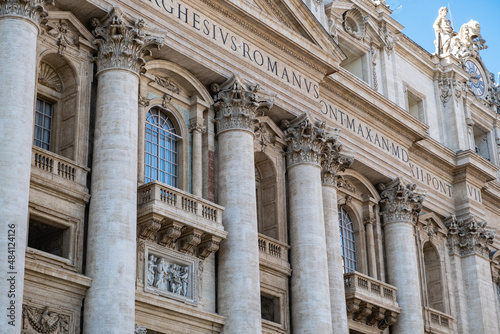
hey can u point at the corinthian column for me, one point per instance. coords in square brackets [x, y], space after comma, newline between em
[332, 163]
[109, 305]
[311, 312]
[400, 206]
[236, 104]
[19, 26]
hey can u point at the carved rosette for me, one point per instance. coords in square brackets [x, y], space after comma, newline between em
[333, 162]
[469, 236]
[306, 138]
[31, 9]
[237, 103]
[400, 202]
[123, 41]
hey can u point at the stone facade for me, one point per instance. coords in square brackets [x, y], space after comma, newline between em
[233, 167]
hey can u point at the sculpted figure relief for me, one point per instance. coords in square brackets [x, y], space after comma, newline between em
[170, 277]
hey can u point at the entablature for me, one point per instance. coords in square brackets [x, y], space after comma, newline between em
[472, 166]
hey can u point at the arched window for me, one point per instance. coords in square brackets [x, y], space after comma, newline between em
[433, 277]
[161, 155]
[347, 241]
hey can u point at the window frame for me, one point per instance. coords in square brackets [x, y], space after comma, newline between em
[343, 212]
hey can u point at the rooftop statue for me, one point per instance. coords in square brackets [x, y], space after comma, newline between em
[444, 32]
[467, 42]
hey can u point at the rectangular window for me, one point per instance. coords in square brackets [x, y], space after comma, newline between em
[43, 124]
[270, 308]
[48, 238]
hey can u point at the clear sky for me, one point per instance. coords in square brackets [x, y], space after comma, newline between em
[417, 16]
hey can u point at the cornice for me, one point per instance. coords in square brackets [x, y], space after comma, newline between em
[472, 164]
[435, 153]
[346, 87]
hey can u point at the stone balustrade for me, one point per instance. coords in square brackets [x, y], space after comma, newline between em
[437, 322]
[179, 220]
[52, 169]
[274, 253]
[370, 301]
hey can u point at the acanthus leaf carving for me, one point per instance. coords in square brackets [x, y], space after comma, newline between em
[333, 162]
[208, 245]
[147, 229]
[469, 236]
[190, 239]
[306, 138]
[237, 103]
[122, 41]
[31, 9]
[169, 233]
[400, 202]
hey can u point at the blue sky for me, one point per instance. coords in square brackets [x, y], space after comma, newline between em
[417, 16]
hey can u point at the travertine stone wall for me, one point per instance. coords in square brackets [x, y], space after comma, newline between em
[18, 69]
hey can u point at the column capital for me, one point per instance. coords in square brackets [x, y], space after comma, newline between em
[333, 162]
[469, 236]
[122, 41]
[399, 201]
[199, 127]
[306, 138]
[238, 102]
[30, 9]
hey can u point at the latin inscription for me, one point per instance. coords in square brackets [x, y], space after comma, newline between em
[239, 46]
[474, 193]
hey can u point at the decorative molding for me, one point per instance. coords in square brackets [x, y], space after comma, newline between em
[345, 184]
[373, 53]
[140, 330]
[197, 127]
[169, 233]
[445, 85]
[306, 138]
[190, 239]
[238, 102]
[263, 136]
[469, 236]
[354, 23]
[31, 9]
[333, 162]
[44, 321]
[122, 41]
[208, 245]
[167, 83]
[147, 230]
[48, 77]
[60, 31]
[143, 101]
[400, 202]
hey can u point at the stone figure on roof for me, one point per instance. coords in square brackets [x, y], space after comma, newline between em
[444, 32]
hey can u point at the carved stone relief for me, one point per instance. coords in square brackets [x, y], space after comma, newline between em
[333, 162]
[172, 275]
[61, 32]
[48, 77]
[354, 23]
[167, 83]
[31, 9]
[45, 321]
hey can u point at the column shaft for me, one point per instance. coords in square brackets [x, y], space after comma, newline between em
[197, 168]
[239, 286]
[370, 245]
[310, 309]
[110, 303]
[402, 266]
[333, 251]
[17, 72]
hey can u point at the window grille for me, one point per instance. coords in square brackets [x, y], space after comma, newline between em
[161, 149]
[43, 124]
[347, 241]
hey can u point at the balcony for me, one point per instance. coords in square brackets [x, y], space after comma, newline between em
[370, 301]
[49, 170]
[274, 254]
[179, 220]
[437, 322]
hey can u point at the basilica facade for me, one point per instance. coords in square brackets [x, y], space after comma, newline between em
[245, 167]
